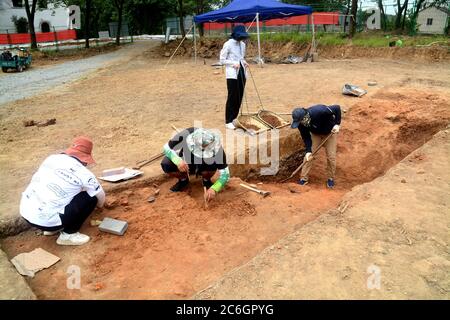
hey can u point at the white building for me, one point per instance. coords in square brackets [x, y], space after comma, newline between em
[44, 20]
[433, 20]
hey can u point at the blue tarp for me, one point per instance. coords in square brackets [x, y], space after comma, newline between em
[245, 11]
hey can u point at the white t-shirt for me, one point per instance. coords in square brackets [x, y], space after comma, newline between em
[58, 180]
[233, 52]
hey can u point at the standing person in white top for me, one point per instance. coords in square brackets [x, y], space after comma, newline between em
[232, 56]
[63, 193]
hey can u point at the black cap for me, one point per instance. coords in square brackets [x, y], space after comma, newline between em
[239, 33]
[297, 116]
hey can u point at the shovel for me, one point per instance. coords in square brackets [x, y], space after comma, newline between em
[146, 162]
[154, 158]
[304, 162]
[261, 192]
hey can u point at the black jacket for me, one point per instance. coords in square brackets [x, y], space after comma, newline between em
[323, 119]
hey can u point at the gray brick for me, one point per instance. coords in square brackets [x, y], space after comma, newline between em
[113, 226]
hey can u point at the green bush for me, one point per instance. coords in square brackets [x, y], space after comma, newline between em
[21, 24]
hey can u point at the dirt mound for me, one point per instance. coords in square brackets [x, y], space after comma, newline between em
[376, 134]
[428, 54]
[276, 52]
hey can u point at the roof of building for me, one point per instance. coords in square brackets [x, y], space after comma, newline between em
[446, 10]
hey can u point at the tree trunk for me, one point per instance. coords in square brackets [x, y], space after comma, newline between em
[346, 14]
[353, 18]
[30, 15]
[398, 18]
[119, 23]
[180, 15]
[200, 10]
[404, 16]
[87, 19]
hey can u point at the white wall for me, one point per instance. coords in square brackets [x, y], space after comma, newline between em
[5, 4]
[57, 18]
[439, 20]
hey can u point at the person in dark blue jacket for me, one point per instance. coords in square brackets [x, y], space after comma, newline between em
[315, 124]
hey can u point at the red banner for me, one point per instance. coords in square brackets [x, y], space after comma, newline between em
[328, 18]
[21, 38]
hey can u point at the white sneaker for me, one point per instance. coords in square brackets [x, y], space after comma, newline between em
[72, 239]
[230, 126]
[51, 233]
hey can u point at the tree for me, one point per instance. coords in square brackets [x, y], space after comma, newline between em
[42, 4]
[400, 9]
[322, 5]
[353, 18]
[148, 16]
[404, 16]
[21, 24]
[181, 17]
[347, 10]
[200, 8]
[30, 15]
[87, 20]
[119, 6]
[87, 5]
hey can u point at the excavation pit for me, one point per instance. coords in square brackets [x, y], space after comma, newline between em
[174, 247]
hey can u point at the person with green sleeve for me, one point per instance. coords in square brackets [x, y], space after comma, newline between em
[196, 151]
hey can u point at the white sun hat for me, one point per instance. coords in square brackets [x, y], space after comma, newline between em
[203, 143]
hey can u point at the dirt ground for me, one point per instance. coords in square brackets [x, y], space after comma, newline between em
[389, 241]
[171, 240]
[44, 58]
[277, 52]
[128, 109]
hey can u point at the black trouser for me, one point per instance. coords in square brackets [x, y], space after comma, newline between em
[75, 213]
[235, 93]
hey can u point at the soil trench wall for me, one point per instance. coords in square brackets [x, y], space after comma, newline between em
[288, 141]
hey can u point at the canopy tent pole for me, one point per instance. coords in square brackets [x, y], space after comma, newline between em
[259, 42]
[251, 24]
[195, 42]
[178, 47]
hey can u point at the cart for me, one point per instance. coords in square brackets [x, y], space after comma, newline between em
[18, 61]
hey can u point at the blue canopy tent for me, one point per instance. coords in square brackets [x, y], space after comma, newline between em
[248, 10]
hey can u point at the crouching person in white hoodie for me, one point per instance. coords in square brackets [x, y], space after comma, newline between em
[63, 193]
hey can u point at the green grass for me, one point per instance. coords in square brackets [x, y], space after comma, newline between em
[371, 40]
[284, 37]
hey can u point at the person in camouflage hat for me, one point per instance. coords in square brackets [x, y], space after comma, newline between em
[196, 151]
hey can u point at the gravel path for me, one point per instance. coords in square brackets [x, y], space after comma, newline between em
[14, 85]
